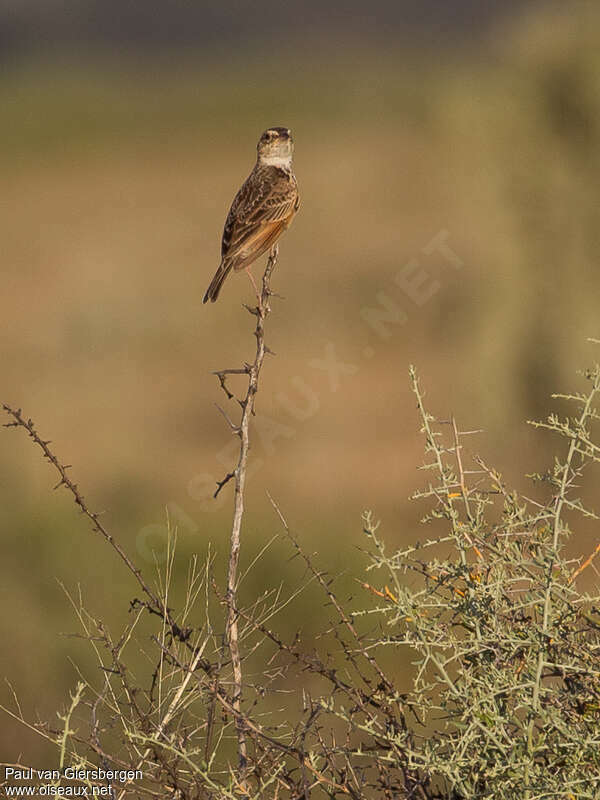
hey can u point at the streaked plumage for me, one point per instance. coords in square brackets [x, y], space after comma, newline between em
[262, 209]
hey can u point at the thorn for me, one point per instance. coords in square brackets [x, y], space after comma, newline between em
[224, 385]
[221, 484]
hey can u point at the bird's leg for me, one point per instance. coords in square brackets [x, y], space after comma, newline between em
[258, 298]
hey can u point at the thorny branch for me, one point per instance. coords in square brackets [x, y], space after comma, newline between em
[261, 312]
[154, 604]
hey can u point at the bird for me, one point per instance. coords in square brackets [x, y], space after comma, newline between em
[262, 209]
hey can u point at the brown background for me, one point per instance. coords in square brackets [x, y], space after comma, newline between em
[120, 157]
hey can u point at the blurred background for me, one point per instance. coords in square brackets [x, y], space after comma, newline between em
[448, 165]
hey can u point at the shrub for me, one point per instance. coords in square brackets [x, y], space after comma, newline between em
[504, 697]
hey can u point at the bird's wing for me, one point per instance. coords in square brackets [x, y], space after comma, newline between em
[260, 211]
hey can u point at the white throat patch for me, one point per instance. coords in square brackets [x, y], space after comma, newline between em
[277, 161]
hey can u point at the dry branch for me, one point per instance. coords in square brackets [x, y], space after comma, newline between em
[261, 312]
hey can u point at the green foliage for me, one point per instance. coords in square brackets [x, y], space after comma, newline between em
[505, 699]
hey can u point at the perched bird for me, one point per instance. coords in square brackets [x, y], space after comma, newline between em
[262, 209]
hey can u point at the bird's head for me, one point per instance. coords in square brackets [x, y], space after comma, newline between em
[275, 147]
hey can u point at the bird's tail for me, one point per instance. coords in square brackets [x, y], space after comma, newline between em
[215, 285]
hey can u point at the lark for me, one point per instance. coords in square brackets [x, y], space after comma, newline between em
[262, 209]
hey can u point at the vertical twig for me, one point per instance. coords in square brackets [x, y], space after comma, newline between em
[261, 311]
